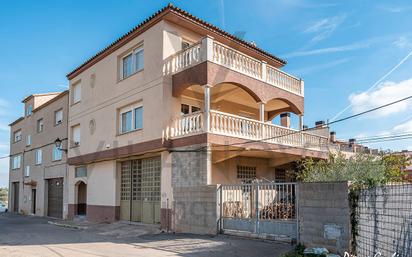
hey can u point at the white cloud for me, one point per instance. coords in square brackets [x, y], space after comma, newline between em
[324, 27]
[405, 127]
[395, 9]
[385, 93]
[323, 66]
[402, 42]
[328, 50]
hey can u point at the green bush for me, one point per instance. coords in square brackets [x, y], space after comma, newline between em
[361, 169]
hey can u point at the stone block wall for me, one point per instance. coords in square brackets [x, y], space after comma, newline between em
[324, 216]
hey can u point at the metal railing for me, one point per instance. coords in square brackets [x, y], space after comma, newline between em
[210, 50]
[269, 208]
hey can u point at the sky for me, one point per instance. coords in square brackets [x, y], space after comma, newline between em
[353, 55]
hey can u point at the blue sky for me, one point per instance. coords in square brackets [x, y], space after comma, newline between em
[340, 49]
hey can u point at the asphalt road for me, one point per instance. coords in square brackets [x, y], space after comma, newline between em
[33, 236]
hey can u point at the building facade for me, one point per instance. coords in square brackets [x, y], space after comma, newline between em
[177, 104]
[38, 168]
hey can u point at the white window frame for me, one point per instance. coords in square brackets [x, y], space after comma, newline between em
[57, 154]
[75, 143]
[133, 52]
[27, 171]
[130, 108]
[58, 121]
[29, 110]
[39, 157]
[28, 140]
[17, 136]
[16, 162]
[40, 125]
[76, 92]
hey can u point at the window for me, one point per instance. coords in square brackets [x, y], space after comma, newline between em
[16, 162]
[132, 62]
[76, 135]
[138, 117]
[80, 172]
[57, 154]
[39, 156]
[17, 136]
[29, 110]
[40, 126]
[186, 109]
[76, 92]
[28, 140]
[126, 121]
[185, 45]
[246, 174]
[131, 118]
[58, 117]
[27, 171]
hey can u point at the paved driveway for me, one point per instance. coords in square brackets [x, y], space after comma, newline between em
[33, 236]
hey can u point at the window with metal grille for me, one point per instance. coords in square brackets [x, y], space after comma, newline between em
[246, 173]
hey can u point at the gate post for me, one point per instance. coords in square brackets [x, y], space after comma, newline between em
[220, 206]
[257, 228]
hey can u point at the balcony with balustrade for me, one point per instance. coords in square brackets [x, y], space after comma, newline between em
[225, 93]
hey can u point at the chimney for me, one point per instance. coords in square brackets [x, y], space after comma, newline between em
[332, 136]
[320, 124]
[285, 120]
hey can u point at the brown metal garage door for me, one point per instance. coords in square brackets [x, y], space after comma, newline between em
[55, 198]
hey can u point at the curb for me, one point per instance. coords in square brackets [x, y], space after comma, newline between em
[67, 225]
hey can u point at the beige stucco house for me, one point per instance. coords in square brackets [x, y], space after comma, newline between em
[38, 168]
[178, 103]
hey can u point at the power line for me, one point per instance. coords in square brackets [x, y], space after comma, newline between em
[377, 82]
[371, 110]
[298, 131]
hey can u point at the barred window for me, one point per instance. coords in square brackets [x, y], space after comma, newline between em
[246, 173]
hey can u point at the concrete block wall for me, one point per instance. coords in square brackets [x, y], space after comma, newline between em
[324, 216]
[189, 168]
[195, 209]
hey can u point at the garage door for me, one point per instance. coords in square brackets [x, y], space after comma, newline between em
[140, 190]
[55, 198]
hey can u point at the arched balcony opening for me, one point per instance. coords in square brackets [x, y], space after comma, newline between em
[284, 113]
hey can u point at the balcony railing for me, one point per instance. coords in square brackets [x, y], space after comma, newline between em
[216, 52]
[231, 125]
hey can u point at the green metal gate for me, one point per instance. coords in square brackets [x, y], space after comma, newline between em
[140, 190]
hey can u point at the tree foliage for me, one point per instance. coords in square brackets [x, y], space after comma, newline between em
[361, 169]
[3, 194]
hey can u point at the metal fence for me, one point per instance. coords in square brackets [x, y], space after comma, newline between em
[269, 208]
[385, 221]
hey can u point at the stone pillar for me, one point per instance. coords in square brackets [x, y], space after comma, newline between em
[207, 107]
[262, 112]
[285, 120]
[207, 48]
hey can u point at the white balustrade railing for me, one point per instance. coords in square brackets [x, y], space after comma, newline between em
[236, 60]
[232, 125]
[283, 80]
[183, 59]
[213, 51]
[185, 125]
